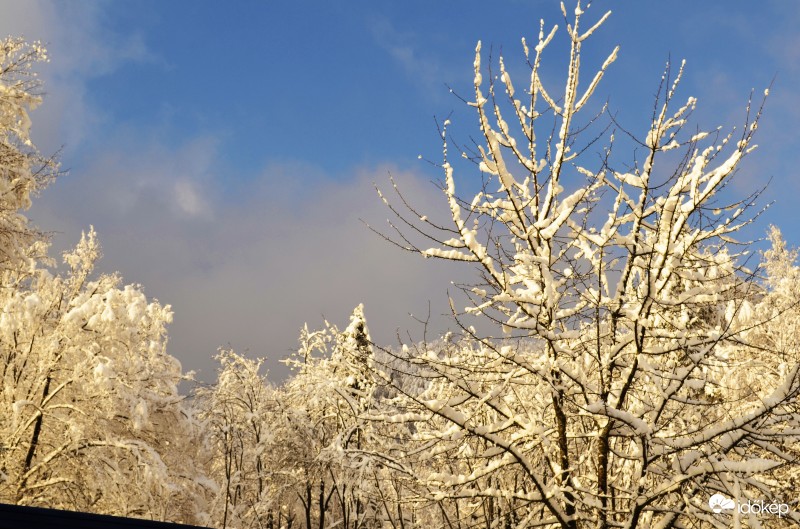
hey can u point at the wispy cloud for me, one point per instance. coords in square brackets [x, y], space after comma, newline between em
[423, 68]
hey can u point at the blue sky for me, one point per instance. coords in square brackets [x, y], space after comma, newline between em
[225, 152]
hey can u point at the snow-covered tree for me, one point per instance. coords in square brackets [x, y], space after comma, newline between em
[91, 418]
[625, 383]
[779, 303]
[23, 171]
[296, 455]
[238, 415]
[778, 338]
[321, 407]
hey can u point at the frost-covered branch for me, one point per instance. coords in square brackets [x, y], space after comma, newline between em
[627, 327]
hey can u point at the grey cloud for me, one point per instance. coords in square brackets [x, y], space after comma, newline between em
[259, 260]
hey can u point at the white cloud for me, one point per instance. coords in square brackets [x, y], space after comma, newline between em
[188, 198]
[248, 265]
[81, 47]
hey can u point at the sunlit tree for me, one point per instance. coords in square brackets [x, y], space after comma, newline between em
[623, 383]
[91, 418]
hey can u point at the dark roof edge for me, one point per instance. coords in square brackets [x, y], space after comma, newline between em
[25, 517]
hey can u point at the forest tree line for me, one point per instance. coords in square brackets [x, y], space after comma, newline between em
[634, 357]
